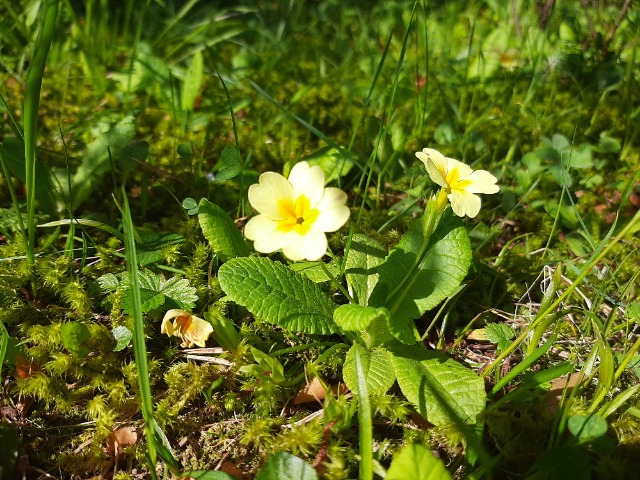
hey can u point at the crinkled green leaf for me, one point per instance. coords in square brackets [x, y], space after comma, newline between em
[285, 466]
[442, 390]
[377, 363]
[123, 337]
[439, 274]
[156, 291]
[74, 336]
[108, 282]
[415, 462]
[353, 318]
[221, 232]
[314, 271]
[272, 292]
[500, 334]
[365, 256]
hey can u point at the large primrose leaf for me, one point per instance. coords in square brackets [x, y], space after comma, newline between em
[442, 390]
[409, 292]
[364, 257]
[220, 231]
[416, 462]
[274, 293]
[377, 365]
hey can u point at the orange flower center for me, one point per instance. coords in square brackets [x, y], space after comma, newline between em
[183, 323]
[298, 216]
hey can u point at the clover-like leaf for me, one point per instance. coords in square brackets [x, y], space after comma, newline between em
[272, 292]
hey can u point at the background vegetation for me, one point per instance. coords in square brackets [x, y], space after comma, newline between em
[147, 107]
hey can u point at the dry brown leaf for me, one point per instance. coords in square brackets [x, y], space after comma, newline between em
[311, 392]
[121, 438]
[26, 367]
[232, 469]
[552, 399]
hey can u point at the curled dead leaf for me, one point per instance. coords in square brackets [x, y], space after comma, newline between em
[119, 439]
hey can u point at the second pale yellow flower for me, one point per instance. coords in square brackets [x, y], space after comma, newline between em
[460, 181]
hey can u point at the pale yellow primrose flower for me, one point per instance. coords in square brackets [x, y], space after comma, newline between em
[191, 329]
[295, 213]
[459, 181]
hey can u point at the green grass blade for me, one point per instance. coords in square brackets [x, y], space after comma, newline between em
[365, 425]
[139, 346]
[31, 105]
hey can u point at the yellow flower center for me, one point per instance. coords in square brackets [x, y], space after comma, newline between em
[297, 216]
[453, 180]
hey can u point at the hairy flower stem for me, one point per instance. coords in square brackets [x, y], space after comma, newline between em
[432, 215]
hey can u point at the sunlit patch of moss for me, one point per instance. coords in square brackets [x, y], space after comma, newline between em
[339, 462]
[303, 440]
[257, 433]
[186, 382]
[391, 407]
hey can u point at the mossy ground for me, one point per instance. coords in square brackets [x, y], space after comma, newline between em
[572, 85]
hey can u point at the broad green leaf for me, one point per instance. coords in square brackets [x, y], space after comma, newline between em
[314, 271]
[403, 330]
[272, 292]
[377, 363]
[587, 427]
[97, 161]
[221, 232]
[439, 273]
[415, 462]
[365, 256]
[74, 336]
[442, 390]
[353, 318]
[229, 165]
[193, 81]
[122, 336]
[285, 466]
